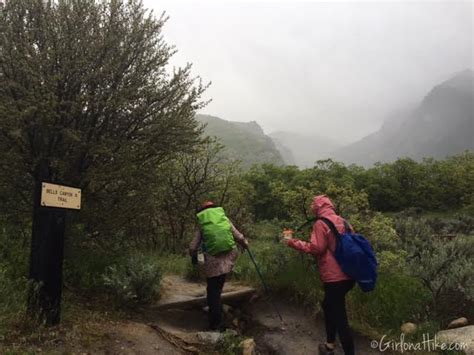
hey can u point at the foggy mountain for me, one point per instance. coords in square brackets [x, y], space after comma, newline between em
[302, 150]
[441, 125]
[244, 141]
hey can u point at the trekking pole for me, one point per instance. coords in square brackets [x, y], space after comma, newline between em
[267, 291]
[310, 220]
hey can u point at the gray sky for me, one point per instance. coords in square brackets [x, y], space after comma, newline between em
[332, 68]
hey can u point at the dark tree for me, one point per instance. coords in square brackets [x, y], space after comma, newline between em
[87, 99]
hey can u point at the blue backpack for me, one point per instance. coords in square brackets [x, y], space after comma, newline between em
[355, 256]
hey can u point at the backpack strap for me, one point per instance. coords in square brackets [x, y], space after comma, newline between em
[347, 226]
[331, 226]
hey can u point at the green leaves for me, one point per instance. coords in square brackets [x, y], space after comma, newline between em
[135, 279]
[86, 93]
[444, 265]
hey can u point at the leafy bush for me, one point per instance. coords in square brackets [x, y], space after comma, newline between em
[83, 269]
[230, 344]
[13, 294]
[171, 263]
[14, 248]
[397, 298]
[137, 279]
[13, 270]
[461, 224]
[445, 266]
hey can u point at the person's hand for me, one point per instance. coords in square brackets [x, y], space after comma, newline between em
[245, 244]
[287, 236]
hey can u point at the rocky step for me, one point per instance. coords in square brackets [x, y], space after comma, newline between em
[177, 292]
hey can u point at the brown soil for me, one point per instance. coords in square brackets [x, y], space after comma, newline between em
[299, 334]
[152, 330]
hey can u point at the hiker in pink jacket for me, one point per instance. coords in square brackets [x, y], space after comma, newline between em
[336, 283]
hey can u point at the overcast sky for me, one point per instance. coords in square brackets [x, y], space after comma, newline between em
[332, 68]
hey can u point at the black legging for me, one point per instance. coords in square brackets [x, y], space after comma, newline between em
[214, 290]
[335, 317]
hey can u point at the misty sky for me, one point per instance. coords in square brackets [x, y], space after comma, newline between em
[330, 68]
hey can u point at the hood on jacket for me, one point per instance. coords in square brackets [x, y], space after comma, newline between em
[322, 206]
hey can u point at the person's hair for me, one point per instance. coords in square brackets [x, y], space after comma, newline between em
[206, 204]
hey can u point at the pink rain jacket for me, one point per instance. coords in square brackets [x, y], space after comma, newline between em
[323, 241]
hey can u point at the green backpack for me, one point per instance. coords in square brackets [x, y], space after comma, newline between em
[216, 230]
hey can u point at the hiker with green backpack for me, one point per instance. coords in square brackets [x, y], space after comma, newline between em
[218, 238]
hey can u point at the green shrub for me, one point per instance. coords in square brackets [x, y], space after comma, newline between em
[230, 344]
[397, 298]
[83, 269]
[459, 224]
[13, 293]
[14, 249]
[445, 266]
[136, 279]
[172, 263]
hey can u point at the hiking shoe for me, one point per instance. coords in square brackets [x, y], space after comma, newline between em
[324, 350]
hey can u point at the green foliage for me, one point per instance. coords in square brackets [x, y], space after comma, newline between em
[83, 268]
[284, 270]
[381, 232]
[444, 265]
[230, 344]
[137, 279]
[398, 298]
[431, 184]
[243, 141]
[13, 293]
[13, 271]
[286, 192]
[171, 263]
[87, 99]
[14, 244]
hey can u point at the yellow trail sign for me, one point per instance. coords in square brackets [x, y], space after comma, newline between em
[60, 196]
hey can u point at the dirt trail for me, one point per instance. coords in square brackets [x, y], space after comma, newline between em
[301, 335]
[179, 330]
[137, 338]
[257, 319]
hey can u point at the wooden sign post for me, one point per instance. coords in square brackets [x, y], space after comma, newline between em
[51, 202]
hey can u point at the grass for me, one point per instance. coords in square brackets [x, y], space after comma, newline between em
[173, 263]
[83, 327]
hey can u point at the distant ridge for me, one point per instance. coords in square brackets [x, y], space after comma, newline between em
[441, 125]
[244, 141]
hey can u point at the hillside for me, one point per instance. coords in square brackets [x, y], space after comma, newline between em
[441, 125]
[303, 150]
[244, 141]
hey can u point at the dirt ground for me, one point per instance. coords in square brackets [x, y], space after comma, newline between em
[299, 334]
[173, 331]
